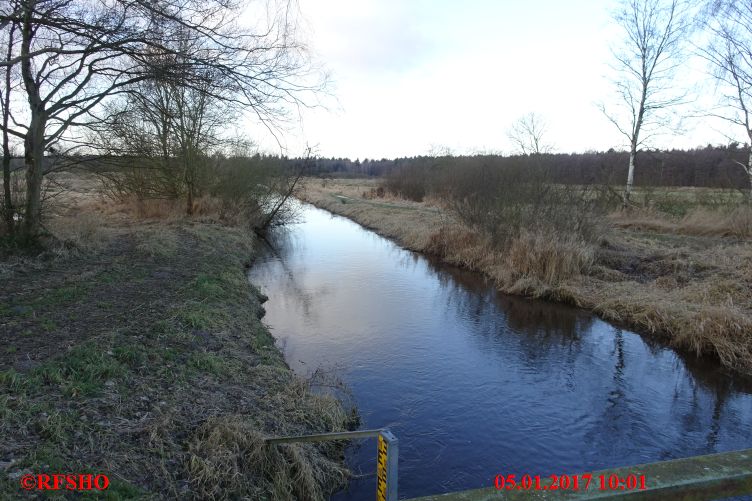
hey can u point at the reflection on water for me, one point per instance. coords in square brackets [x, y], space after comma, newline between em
[476, 383]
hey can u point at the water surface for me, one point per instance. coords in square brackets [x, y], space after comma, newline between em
[475, 383]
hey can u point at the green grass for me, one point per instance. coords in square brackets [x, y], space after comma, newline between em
[211, 363]
[48, 325]
[130, 355]
[113, 275]
[196, 315]
[209, 286]
[81, 372]
[12, 381]
[62, 295]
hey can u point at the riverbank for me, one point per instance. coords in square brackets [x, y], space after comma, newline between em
[133, 347]
[692, 290]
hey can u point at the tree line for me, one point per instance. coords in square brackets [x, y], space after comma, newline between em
[711, 166]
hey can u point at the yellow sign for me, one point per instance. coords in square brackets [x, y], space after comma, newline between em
[383, 450]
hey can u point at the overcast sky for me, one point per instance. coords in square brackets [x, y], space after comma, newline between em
[411, 75]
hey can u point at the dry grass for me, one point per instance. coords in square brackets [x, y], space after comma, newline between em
[205, 209]
[736, 222]
[72, 195]
[134, 347]
[345, 198]
[547, 257]
[461, 246]
[687, 280]
[690, 323]
[83, 231]
[229, 457]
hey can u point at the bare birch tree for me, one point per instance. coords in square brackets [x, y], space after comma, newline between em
[654, 32]
[730, 55]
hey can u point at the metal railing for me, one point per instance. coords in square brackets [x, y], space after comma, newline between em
[387, 454]
[712, 476]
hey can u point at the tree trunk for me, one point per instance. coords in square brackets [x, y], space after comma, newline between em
[190, 179]
[749, 173]
[630, 176]
[34, 142]
[8, 209]
[8, 202]
[635, 139]
[189, 200]
[34, 160]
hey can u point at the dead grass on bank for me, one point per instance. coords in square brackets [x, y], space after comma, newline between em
[550, 258]
[77, 208]
[134, 348]
[736, 222]
[411, 224]
[228, 454]
[688, 322]
[686, 280]
[461, 246]
[546, 258]
[205, 208]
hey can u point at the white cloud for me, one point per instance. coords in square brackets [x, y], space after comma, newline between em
[411, 74]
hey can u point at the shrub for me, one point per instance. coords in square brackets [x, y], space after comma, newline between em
[548, 257]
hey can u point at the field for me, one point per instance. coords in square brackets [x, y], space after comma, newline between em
[133, 347]
[685, 277]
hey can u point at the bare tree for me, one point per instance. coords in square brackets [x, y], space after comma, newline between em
[75, 55]
[655, 32]
[283, 193]
[164, 140]
[730, 54]
[528, 134]
[7, 209]
[437, 150]
[171, 128]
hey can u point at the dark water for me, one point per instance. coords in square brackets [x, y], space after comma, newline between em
[475, 383]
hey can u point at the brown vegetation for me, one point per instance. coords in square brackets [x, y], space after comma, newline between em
[687, 279]
[734, 222]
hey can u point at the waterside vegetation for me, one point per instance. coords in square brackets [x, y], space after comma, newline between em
[685, 278]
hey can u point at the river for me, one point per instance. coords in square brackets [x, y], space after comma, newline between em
[473, 382]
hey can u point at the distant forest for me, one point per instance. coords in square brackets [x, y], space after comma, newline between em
[712, 166]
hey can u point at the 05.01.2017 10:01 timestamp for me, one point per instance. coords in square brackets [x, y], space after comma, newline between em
[583, 481]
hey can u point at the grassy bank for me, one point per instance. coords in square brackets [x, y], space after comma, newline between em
[687, 279]
[134, 347]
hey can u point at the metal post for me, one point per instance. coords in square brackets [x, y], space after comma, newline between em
[386, 466]
[386, 457]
